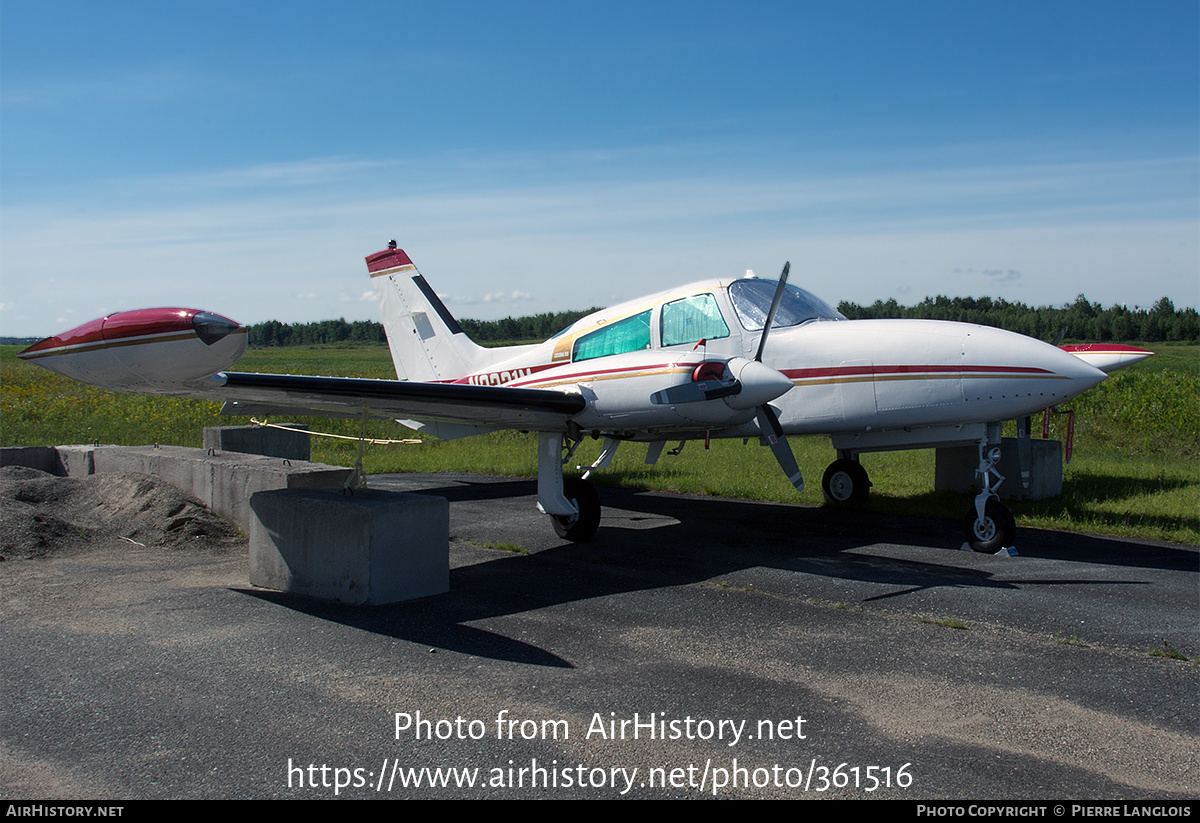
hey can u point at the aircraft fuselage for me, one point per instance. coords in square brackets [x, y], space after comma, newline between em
[846, 375]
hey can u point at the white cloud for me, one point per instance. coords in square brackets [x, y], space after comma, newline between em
[298, 174]
[1002, 275]
[1118, 232]
[506, 297]
[148, 85]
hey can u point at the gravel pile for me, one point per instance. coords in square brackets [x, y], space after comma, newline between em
[42, 514]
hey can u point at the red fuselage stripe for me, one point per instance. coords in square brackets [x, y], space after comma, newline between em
[521, 375]
[583, 376]
[880, 371]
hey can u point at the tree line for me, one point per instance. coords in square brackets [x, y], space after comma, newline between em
[534, 327]
[1082, 320]
[274, 333]
[509, 329]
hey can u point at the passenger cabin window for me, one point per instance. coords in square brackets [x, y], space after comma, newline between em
[692, 319]
[630, 334]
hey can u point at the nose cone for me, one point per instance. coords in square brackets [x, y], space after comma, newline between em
[1004, 364]
[760, 384]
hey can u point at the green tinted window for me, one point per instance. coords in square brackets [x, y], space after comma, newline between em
[692, 319]
[630, 334]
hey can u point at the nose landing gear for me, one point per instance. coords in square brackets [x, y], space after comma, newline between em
[989, 525]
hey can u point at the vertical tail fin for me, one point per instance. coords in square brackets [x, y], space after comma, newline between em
[426, 341]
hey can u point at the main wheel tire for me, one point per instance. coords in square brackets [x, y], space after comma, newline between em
[581, 527]
[997, 529]
[845, 481]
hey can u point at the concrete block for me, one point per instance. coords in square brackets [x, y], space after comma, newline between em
[1032, 469]
[370, 548]
[223, 481]
[42, 458]
[76, 461]
[264, 440]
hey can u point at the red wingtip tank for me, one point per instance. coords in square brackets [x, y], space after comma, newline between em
[145, 350]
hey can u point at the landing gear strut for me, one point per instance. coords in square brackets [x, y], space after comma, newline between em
[845, 481]
[572, 504]
[989, 524]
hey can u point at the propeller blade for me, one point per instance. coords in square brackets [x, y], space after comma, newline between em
[775, 301]
[768, 424]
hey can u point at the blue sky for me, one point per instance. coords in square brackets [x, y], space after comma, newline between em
[245, 157]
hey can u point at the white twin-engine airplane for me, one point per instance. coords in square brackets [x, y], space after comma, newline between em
[722, 358]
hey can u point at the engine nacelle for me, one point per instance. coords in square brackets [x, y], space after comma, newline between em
[146, 350]
[664, 390]
[1107, 357]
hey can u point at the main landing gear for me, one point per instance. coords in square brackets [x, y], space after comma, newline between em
[845, 481]
[581, 526]
[989, 525]
[573, 505]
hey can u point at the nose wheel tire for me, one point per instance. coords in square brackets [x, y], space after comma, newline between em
[845, 481]
[581, 527]
[996, 530]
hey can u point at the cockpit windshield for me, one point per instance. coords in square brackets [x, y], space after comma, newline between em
[752, 302]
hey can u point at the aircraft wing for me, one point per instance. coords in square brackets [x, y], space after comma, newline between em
[490, 406]
[183, 353]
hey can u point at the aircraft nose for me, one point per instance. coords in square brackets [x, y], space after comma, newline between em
[760, 384]
[1073, 375]
[1030, 368]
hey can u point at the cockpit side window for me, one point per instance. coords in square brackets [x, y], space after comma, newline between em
[752, 302]
[692, 319]
[630, 334]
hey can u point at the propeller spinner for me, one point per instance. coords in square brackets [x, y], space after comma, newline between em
[745, 384]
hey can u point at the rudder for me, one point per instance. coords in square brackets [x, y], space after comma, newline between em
[425, 340]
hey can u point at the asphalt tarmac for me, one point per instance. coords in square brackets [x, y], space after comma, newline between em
[697, 647]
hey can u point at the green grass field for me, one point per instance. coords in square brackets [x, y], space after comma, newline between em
[1135, 471]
